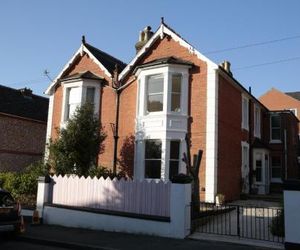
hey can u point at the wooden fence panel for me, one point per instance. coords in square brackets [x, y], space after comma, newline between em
[140, 197]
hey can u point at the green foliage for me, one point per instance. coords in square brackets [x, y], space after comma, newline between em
[23, 186]
[78, 145]
[277, 226]
[104, 172]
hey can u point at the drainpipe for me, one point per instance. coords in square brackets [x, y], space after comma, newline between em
[250, 135]
[285, 153]
[116, 131]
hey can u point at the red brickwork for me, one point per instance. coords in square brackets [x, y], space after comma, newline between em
[18, 146]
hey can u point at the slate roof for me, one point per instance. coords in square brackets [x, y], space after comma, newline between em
[107, 60]
[15, 102]
[295, 95]
[86, 75]
[165, 60]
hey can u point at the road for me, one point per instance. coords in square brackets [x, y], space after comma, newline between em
[14, 245]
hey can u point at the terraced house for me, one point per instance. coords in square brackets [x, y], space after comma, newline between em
[168, 90]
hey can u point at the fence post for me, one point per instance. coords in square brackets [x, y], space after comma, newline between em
[180, 210]
[42, 193]
[238, 220]
[291, 195]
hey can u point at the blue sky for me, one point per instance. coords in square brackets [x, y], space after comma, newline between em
[38, 35]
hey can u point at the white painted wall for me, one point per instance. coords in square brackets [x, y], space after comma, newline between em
[292, 216]
[179, 227]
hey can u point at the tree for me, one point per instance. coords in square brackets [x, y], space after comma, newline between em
[76, 149]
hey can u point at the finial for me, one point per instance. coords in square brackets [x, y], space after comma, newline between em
[162, 20]
[83, 39]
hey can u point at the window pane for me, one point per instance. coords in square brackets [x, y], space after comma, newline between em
[258, 174]
[152, 169]
[153, 149]
[155, 84]
[90, 95]
[176, 83]
[175, 102]
[275, 121]
[276, 172]
[276, 161]
[174, 149]
[74, 95]
[155, 103]
[155, 89]
[173, 169]
[275, 134]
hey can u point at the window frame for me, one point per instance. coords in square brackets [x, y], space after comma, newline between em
[257, 121]
[276, 179]
[82, 84]
[153, 159]
[153, 94]
[173, 159]
[245, 113]
[271, 129]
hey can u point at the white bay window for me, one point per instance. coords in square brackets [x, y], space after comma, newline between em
[76, 92]
[162, 114]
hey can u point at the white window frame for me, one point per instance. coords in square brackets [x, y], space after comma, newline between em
[82, 84]
[295, 111]
[271, 132]
[275, 180]
[257, 121]
[245, 112]
[245, 146]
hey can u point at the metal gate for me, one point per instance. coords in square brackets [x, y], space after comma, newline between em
[260, 223]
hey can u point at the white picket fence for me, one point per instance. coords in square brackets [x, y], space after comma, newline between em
[139, 197]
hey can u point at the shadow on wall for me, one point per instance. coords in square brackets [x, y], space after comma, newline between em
[126, 160]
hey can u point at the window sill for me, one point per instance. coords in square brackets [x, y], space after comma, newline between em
[276, 180]
[275, 141]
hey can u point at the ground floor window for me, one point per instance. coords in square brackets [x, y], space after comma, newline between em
[153, 159]
[258, 164]
[276, 167]
[174, 158]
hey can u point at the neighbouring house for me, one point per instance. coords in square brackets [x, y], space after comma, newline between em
[170, 90]
[23, 125]
[274, 99]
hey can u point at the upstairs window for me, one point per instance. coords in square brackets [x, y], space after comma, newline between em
[245, 113]
[155, 93]
[257, 121]
[275, 128]
[90, 95]
[276, 168]
[174, 158]
[176, 93]
[73, 101]
[153, 159]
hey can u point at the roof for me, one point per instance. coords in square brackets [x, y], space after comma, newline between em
[17, 102]
[295, 95]
[165, 60]
[108, 61]
[85, 75]
[159, 33]
[105, 61]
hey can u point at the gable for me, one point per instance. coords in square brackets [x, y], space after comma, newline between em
[82, 64]
[163, 35]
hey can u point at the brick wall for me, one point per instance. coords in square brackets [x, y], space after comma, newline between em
[107, 106]
[230, 136]
[22, 142]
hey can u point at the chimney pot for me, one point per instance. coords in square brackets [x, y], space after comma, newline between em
[226, 66]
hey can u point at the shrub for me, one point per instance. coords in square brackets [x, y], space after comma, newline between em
[277, 226]
[23, 186]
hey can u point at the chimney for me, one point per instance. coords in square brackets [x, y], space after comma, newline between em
[26, 92]
[226, 66]
[144, 37]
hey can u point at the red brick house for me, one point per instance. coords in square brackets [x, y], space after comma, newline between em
[23, 125]
[168, 90]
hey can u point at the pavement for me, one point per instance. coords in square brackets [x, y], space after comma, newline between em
[75, 238]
